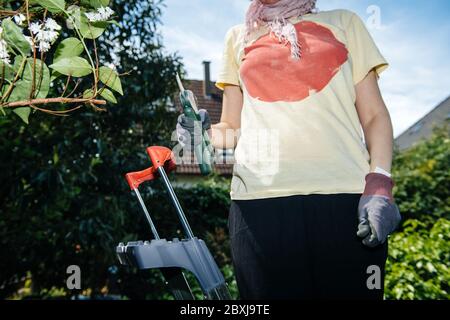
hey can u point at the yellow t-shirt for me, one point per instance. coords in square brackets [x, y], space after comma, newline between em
[300, 131]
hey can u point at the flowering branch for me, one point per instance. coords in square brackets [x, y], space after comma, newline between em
[28, 68]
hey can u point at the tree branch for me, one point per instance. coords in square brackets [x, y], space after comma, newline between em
[52, 100]
[63, 113]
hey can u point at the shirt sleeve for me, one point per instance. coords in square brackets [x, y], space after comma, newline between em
[228, 73]
[364, 53]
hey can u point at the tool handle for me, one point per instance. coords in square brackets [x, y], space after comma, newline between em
[204, 151]
[176, 203]
[135, 179]
[189, 105]
[161, 157]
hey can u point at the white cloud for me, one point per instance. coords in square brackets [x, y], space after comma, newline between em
[193, 48]
[417, 79]
[196, 29]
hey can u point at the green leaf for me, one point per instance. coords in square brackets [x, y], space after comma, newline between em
[55, 75]
[108, 95]
[87, 94]
[2, 111]
[54, 6]
[55, 156]
[73, 66]
[14, 37]
[41, 77]
[20, 92]
[115, 23]
[91, 30]
[6, 72]
[6, 4]
[17, 62]
[22, 88]
[23, 113]
[95, 3]
[70, 47]
[110, 78]
[74, 13]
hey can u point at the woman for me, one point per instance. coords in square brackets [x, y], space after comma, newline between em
[312, 201]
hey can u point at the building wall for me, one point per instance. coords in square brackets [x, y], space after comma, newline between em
[423, 129]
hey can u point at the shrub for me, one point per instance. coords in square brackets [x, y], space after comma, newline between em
[418, 264]
[422, 178]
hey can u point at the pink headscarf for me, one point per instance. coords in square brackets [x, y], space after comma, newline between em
[275, 16]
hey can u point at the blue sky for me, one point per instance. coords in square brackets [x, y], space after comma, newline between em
[414, 36]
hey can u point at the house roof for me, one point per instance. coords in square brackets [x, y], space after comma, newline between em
[423, 129]
[213, 104]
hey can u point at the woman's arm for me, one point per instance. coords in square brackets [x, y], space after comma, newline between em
[378, 214]
[225, 133]
[376, 122]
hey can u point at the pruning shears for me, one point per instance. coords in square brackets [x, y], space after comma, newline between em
[203, 151]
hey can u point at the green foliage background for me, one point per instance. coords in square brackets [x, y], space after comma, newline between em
[423, 179]
[419, 253]
[418, 262]
[63, 198]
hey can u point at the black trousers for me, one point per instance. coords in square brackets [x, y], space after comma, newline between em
[303, 247]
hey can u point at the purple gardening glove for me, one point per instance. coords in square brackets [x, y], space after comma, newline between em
[377, 213]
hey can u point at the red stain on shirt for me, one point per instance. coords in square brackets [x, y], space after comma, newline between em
[270, 73]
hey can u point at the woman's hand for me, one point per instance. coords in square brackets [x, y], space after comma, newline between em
[378, 215]
[189, 131]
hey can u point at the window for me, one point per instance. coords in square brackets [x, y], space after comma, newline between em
[225, 156]
[416, 128]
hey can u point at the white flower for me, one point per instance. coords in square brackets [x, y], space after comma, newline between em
[92, 16]
[47, 36]
[102, 14]
[44, 46]
[35, 27]
[44, 33]
[4, 55]
[105, 12]
[19, 19]
[51, 24]
[109, 11]
[52, 36]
